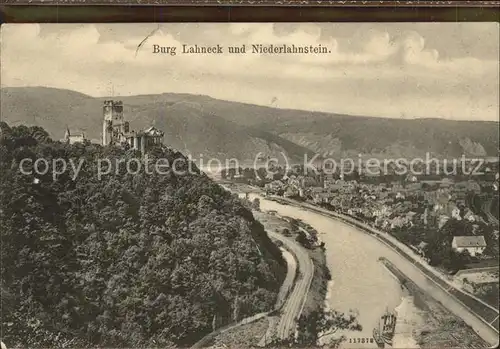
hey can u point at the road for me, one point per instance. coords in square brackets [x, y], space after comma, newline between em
[288, 283]
[487, 209]
[294, 304]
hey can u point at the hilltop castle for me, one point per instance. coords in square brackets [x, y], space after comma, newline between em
[115, 130]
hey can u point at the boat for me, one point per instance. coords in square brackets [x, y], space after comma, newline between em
[385, 332]
[378, 338]
[389, 327]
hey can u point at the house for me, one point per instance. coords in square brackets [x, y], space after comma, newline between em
[273, 186]
[397, 187]
[413, 186]
[442, 220]
[400, 222]
[400, 196]
[411, 178]
[473, 244]
[445, 183]
[313, 191]
[336, 201]
[328, 181]
[421, 248]
[73, 137]
[453, 211]
[320, 198]
[291, 191]
[365, 211]
[381, 211]
[474, 186]
[469, 215]
[411, 215]
[382, 223]
[475, 229]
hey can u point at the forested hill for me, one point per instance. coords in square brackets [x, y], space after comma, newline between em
[128, 260]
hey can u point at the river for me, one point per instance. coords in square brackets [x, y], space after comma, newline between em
[359, 281]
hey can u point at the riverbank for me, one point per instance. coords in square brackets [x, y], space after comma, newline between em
[425, 323]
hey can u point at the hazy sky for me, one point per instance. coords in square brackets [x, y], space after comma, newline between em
[448, 70]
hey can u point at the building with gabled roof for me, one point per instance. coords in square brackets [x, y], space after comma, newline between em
[74, 136]
[473, 244]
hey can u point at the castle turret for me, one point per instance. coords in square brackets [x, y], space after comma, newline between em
[113, 126]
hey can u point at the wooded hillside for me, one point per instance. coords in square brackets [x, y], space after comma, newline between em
[128, 260]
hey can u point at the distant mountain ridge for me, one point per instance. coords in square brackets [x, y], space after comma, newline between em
[201, 125]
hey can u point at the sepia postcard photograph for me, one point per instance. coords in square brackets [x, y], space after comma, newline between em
[249, 185]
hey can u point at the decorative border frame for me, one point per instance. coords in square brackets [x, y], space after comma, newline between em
[142, 11]
[303, 3]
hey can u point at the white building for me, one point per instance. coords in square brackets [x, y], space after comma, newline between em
[474, 244]
[73, 137]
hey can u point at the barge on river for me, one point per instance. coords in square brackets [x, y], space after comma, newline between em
[384, 334]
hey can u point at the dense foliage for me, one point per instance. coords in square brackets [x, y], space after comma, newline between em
[127, 260]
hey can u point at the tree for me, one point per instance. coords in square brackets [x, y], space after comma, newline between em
[256, 204]
[302, 239]
[319, 324]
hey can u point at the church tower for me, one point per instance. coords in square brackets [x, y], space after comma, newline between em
[67, 135]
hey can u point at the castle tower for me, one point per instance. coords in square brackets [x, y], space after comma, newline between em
[113, 125]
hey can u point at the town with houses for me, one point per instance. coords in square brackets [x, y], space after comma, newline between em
[451, 221]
